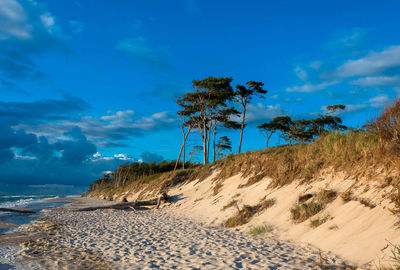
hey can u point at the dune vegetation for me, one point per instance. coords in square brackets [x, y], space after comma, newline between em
[361, 153]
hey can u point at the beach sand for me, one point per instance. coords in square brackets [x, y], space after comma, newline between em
[150, 239]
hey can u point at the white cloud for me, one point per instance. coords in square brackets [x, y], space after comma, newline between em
[98, 156]
[355, 107]
[373, 64]
[308, 87]
[301, 73]
[27, 30]
[374, 81]
[316, 65]
[48, 21]
[156, 119]
[119, 118]
[379, 101]
[107, 130]
[122, 157]
[24, 157]
[259, 112]
[13, 21]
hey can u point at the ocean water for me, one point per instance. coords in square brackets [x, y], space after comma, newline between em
[35, 203]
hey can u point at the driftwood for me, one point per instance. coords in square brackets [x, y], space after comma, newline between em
[158, 202]
[136, 205]
[16, 211]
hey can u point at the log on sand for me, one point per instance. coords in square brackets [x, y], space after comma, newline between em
[137, 205]
[16, 211]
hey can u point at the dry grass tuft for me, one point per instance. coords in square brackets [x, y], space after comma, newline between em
[395, 259]
[261, 229]
[229, 205]
[253, 180]
[347, 196]
[267, 204]
[324, 264]
[396, 200]
[367, 203]
[242, 217]
[301, 212]
[217, 188]
[315, 222]
[333, 227]
[387, 125]
[326, 196]
[305, 197]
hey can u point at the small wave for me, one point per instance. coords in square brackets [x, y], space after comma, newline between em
[24, 201]
[24, 196]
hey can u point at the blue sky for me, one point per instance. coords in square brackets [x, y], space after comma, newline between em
[87, 85]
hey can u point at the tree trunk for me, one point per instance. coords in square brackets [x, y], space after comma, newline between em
[208, 141]
[203, 133]
[269, 137]
[179, 157]
[242, 128]
[204, 151]
[182, 148]
[184, 153]
[214, 133]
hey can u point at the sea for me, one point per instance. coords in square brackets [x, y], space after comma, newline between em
[35, 203]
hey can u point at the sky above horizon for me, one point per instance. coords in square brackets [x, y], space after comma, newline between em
[88, 85]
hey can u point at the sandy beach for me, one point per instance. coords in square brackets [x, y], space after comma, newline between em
[151, 239]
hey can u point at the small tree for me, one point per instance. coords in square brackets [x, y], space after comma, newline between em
[284, 124]
[224, 145]
[244, 95]
[267, 130]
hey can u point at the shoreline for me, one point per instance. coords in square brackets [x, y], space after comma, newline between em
[17, 234]
[126, 239]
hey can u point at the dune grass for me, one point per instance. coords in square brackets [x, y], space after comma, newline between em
[244, 214]
[261, 229]
[355, 152]
[316, 203]
[229, 205]
[315, 222]
[395, 259]
[302, 212]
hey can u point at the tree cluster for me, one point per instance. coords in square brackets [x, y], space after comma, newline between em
[211, 105]
[303, 130]
[130, 172]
